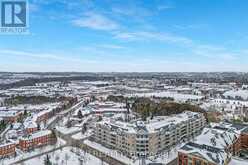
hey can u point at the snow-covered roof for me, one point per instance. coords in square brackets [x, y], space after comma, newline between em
[216, 137]
[36, 135]
[6, 144]
[238, 161]
[6, 113]
[175, 95]
[101, 110]
[211, 154]
[157, 123]
[232, 102]
[212, 143]
[237, 93]
[167, 121]
[30, 124]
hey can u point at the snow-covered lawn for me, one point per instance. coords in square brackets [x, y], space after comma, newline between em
[238, 161]
[176, 96]
[67, 156]
[65, 130]
[80, 135]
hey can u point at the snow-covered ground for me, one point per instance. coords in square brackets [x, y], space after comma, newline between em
[167, 156]
[237, 93]
[238, 161]
[176, 96]
[65, 130]
[69, 156]
[22, 155]
[80, 135]
[164, 158]
[112, 153]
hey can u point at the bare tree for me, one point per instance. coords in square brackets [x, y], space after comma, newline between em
[57, 158]
[67, 157]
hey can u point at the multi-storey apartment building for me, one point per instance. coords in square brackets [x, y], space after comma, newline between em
[36, 139]
[148, 138]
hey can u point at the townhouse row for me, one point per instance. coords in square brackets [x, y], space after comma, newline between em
[215, 146]
[28, 142]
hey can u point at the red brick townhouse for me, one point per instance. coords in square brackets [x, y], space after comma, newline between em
[37, 139]
[10, 116]
[244, 138]
[215, 145]
[7, 149]
[43, 116]
[201, 154]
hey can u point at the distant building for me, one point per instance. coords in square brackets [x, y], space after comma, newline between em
[149, 138]
[10, 116]
[2, 101]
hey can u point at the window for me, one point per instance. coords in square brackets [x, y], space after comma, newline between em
[197, 162]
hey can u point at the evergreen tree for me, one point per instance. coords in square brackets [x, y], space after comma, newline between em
[79, 114]
[47, 160]
[38, 126]
[25, 112]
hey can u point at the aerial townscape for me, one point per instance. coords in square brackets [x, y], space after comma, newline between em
[124, 118]
[123, 82]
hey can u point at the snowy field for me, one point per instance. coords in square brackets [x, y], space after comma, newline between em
[66, 131]
[237, 161]
[176, 96]
[80, 135]
[67, 156]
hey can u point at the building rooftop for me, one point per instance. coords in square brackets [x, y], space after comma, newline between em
[36, 135]
[6, 144]
[216, 137]
[213, 141]
[157, 123]
[211, 154]
[8, 113]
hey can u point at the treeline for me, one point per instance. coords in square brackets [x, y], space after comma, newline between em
[33, 81]
[146, 107]
[120, 98]
[32, 100]
[3, 125]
